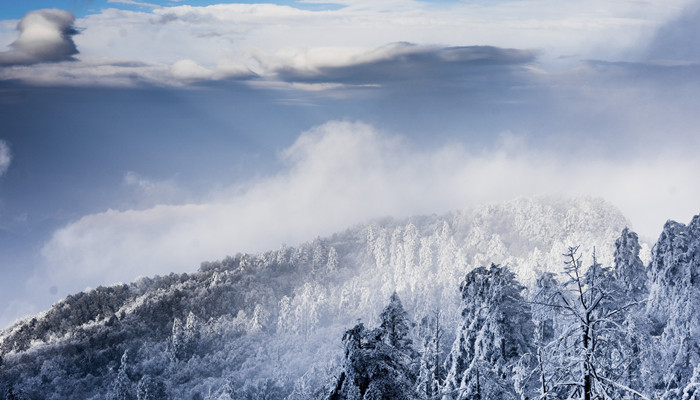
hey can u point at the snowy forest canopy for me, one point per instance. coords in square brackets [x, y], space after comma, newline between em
[535, 299]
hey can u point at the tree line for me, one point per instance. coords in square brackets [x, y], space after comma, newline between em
[594, 332]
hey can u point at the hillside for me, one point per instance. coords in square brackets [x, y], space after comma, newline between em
[269, 325]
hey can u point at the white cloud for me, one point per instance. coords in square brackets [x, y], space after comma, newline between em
[188, 69]
[206, 33]
[5, 157]
[45, 35]
[250, 36]
[342, 173]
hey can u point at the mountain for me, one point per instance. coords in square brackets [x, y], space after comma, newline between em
[269, 325]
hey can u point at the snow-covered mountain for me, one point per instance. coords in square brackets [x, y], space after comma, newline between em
[270, 325]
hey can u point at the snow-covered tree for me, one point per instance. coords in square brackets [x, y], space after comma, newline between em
[692, 389]
[122, 388]
[184, 338]
[396, 326]
[496, 331]
[630, 273]
[546, 319]
[332, 263]
[674, 298]
[590, 357]
[431, 373]
[150, 388]
[372, 369]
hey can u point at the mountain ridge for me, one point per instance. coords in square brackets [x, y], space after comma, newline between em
[294, 301]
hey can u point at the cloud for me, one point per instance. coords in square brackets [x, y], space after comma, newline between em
[315, 69]
[189, 69]
[300, 45]
[342, 173]
[676, 41]
[100, 72]
[45, 36]
[91, 71]
[400, 62]
[5, 157]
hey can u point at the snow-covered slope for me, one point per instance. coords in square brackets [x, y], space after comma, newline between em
[270, 324]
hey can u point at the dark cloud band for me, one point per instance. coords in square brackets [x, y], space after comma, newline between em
[406, 61]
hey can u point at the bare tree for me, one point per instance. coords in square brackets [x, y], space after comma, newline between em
[583, 359]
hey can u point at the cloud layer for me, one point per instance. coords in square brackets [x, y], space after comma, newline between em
[400, 62]
[184, 44]
[342, 173]
[45, 36]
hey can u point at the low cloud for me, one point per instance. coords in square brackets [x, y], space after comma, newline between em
[5, 157]
[45, 36]
[342, 173]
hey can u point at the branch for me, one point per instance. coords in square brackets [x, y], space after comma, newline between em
[623, 387]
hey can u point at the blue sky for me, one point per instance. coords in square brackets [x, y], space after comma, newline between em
[140, 140]
[81, 8]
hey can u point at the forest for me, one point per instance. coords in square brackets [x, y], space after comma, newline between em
[529, 299]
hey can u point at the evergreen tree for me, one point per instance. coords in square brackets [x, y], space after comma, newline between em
[122, 387]
[184, 338]
[373, 369]
[672, 306]
[431, 373]
[378, 363]
[630, 273]
[546, 319]
[496, 331]
[150, 388]
[395, 325]
[630, 281]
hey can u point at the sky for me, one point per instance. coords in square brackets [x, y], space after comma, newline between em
[144, 137]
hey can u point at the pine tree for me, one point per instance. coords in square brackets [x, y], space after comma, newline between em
[184, 338]
[630, 273]
[496, 331]
[378, 363]
[674, 298]
[431, 373]
[395, 325]
[546, 319]
[373, 369]
[122, 387]
[332, 263]
[150, 388]
[631, 333]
